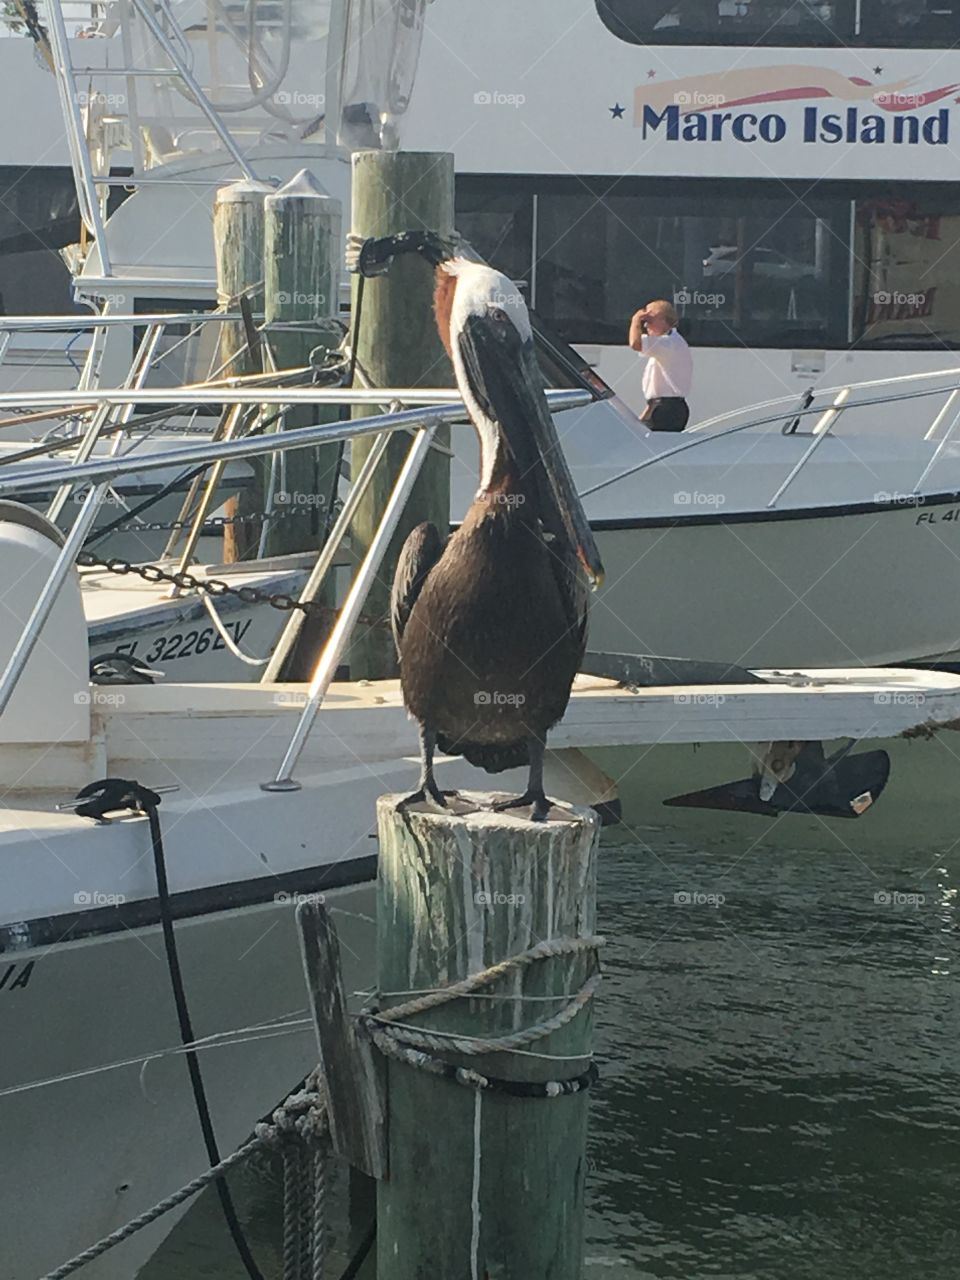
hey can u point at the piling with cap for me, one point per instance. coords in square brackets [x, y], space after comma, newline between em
[302, 265]
[238, 248]
[486, 1150]
[397, 345]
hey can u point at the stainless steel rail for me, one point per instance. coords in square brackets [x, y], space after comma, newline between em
[700, 438]
[26, 479]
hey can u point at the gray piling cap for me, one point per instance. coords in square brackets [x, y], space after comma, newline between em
[243, 191]
[302, 186]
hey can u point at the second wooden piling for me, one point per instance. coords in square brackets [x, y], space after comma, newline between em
[397, 345]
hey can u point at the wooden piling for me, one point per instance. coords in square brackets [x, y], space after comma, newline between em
[238, 246]
[485, 1183]
[398, 346]
[302, 264]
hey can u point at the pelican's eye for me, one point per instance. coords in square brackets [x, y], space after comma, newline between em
[499, 315]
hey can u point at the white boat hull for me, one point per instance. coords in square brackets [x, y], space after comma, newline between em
[85, 1155]
[815, 589]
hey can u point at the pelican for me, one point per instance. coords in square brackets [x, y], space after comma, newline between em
[490, 623]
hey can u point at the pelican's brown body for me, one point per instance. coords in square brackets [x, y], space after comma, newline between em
[490, 624]
[490, 650]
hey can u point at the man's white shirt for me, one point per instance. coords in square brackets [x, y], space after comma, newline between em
[669, 368]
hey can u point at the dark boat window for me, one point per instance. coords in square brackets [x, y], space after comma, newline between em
[38, 217]
[932, 24]
[907, 270]
[757, 272]
[753, 22]
[499, 225]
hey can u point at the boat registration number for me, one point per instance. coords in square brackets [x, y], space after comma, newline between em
[939, 517]
[183, 644]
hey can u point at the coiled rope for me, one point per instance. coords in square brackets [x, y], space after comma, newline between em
[393, 1036]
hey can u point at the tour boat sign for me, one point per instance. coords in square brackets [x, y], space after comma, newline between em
[746, 106]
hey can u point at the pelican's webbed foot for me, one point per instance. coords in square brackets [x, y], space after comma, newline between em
[427, 792]
[534, 794]
[536, 798]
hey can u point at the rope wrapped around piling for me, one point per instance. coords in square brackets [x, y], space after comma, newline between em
[395, 1038]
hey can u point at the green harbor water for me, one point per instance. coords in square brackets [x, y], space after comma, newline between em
[779, 1040]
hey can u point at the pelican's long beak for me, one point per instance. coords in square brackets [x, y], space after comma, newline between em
[506, 379]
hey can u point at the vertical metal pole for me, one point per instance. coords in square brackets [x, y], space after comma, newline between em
[347, 619]
[325, 559]
[134, 381]
[187, 76]
[76, 137]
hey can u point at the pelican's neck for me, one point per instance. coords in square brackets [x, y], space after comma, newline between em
[496, 465]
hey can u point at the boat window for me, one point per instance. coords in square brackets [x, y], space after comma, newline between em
[38, 217]
[754, 272]
[907, 270]
[932, 24]
[754, 22]
[499, 225]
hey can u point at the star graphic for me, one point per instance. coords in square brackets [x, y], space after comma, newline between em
[617, 111]
[878, 71]
[651, 75]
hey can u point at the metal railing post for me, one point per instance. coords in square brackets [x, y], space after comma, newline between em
[820, 433]
[134, 382]
[350, 612]
[325, 560]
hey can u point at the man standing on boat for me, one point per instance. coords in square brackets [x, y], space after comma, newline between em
[668, 375]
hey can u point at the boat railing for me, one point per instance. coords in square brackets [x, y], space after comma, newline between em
[430, 409]
[829, 407]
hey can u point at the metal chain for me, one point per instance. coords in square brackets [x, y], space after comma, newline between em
[214, 522]
[216, 587]
[211, 586]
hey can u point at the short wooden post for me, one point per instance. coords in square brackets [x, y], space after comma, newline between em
[238, 244]
[302, 262]
[483, 1183]
[398, 346]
